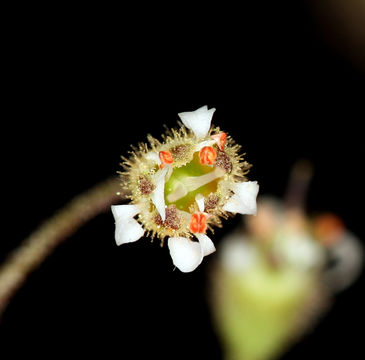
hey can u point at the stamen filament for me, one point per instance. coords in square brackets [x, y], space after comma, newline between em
[192, 183]
[195, 182]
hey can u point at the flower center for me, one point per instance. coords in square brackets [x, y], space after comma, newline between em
[189, 180]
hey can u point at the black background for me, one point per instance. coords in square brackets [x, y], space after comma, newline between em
[81, 88]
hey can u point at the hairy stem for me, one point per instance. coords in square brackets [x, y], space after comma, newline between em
[34, 250]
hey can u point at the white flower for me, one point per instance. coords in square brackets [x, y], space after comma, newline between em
[198, 121]
[162, 178]
[243, 201]
[127, 229]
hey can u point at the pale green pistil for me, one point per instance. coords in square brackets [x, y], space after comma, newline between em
[186, 182]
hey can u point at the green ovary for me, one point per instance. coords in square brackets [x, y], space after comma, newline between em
[182, 187]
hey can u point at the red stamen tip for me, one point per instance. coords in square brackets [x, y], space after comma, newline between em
[198, 223]
[166, 158]
[207, 155]
[221, 139]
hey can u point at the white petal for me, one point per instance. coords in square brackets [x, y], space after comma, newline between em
[198, 121]
[158, 195]
[125, 211]
[243, 201]
[205, 243]
[127, 229]
[199, 198]
[186, 254]
[153, 156]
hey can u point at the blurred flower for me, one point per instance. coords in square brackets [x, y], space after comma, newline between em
[183, 186]
[274, 278]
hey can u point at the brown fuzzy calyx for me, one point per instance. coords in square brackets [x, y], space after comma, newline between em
[180, 152]
[223, 161]
[145, 185]
[172, 219]
[211, 202]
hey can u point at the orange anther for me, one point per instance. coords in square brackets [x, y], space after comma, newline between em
[221, 139]
[198, 223]
[166, 158]
[207, 155]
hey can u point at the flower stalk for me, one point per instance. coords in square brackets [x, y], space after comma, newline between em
[34, 250]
